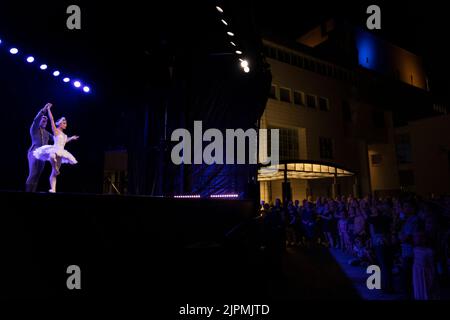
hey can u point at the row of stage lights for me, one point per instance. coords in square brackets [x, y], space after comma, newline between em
[213, 196]
[56, 73]
[243, 62]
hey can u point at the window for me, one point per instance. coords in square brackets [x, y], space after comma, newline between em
[323, 104]
[266, 51]
[289, 143]
[311, 101]
[329, 71]
[346, 111]
[403, 148]
[378, 119]
[326, 148]
[376, 159]
[310, 65]
[270, 52]
[299, 98]
[297, 61]
[285, 95]
[273, 92]
[284, 56]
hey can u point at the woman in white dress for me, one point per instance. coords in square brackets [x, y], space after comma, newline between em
[56, 154]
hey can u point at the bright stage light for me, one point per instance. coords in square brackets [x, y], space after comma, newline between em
[219, 9]
[224, 22]
[246, 69]
[189, 196]
[231, 34]
[86, 89]
[233, 44]
[43, 67]
[56, 73]
[66, 80]
[244, 63]
[77, 84]
[224, 196]
[238, 52]
[14, 51]
[30, 59]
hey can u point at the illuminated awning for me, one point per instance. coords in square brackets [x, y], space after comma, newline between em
[302, 170]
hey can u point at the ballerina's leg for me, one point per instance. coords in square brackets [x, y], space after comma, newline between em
[54, 173]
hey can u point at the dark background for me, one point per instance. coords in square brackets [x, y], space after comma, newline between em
[124, 51]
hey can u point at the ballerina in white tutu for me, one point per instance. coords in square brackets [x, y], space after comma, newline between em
[56, 154]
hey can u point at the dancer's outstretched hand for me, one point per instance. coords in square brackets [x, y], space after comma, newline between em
[74, 138]
[48, 106]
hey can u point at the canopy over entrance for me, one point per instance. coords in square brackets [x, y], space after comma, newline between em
[302, 169]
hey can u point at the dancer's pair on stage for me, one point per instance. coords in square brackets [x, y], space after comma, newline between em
[40, 151]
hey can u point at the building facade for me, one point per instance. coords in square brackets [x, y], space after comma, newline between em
[337, 95]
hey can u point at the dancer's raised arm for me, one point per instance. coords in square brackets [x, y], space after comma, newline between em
[37, 119]
[52, 120]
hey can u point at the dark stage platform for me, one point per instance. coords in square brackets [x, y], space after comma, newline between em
[166, 251]
[124, 245]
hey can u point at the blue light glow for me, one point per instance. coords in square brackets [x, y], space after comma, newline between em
[366, 46]
[56, 73]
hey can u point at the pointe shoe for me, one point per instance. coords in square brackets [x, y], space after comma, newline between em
[52, 191]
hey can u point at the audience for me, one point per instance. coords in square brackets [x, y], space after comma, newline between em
[400, 235]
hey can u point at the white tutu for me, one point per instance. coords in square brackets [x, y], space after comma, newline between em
[48, 152]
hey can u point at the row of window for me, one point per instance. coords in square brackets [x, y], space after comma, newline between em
[299, 61]
[440, 108]
[289, 145]
[299, 98]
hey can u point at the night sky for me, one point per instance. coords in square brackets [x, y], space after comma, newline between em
[134, 27]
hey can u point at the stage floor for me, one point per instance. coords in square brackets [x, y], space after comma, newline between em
[123, 244]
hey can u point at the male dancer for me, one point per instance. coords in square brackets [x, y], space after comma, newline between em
[39, 137]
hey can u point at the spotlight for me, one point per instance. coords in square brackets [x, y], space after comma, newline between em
[56, 73]
[231, 34]
[224, 196]
[244, 63]
[219, 9]
[194, 196]
[233, 44]
[66, 80]
[238, 52]
[30, 59]
[43, 67]
[86, 89]
[246, 69]
[77, 84]
[14, 51]
[224, 22]
[0, 41]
